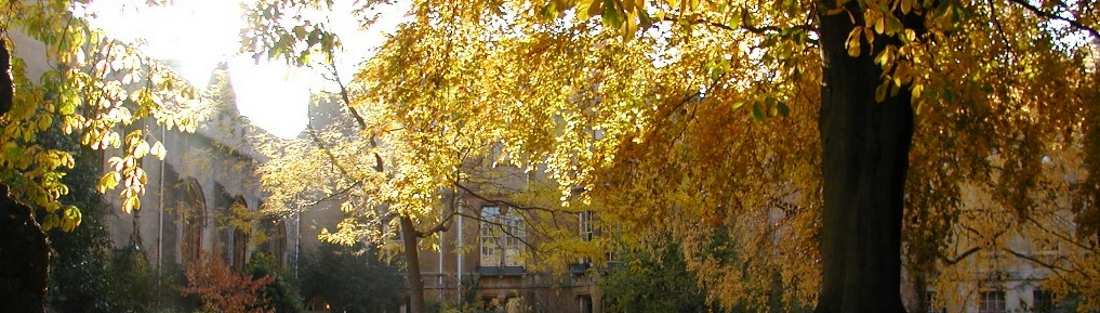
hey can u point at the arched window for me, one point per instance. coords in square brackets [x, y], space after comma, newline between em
[240, 230]
[191, 207]
[275, 234]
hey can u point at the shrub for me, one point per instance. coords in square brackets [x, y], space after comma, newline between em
[366, 284]
[223, 290]
[281, 294]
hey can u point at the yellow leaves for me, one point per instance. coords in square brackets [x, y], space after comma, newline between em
[886, 24]
[906, 6]
[44, 122]
[880, 91]
[126, 170]
[130, 203]
[108, 181]
[589, 8]
[625, 15]
[67, 219]
[853, 42]
[158, 151]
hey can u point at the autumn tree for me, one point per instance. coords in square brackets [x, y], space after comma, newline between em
[397, 184]
[791, 122]
[388, 192]
[86, 84]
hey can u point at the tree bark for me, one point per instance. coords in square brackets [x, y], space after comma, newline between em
[7, 87]
[412, 256]
[24, 250]
[864, 162]
[24, 257]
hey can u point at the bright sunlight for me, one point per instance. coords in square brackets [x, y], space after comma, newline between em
[195, 36]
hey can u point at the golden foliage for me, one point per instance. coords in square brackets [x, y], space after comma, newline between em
[97, 87]
[693, 116]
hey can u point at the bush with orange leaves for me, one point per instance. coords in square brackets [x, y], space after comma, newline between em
[223, 290]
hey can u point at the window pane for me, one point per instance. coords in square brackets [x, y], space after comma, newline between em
[992, 302]
[1042, 301]
[502, 237]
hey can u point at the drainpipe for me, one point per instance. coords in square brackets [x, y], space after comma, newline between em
[442, 248]
[297, 241]
[460, 254]
[160, 215]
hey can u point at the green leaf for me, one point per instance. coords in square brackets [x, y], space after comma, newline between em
[50, 222]
[71, 218]
[611, 15]
[784, 110]
[893, 25]
[44, 122]
[757, 111]
[300, 32]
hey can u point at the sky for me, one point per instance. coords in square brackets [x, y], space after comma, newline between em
[199, 34]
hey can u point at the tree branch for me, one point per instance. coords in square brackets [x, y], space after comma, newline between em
[1041, 13]
[346, 97]
[1000, 30]
[1063, 237]
[335, 194]
[503, 202]
[960, 257]
[443, 225]
[317, 140]
[759, 30]
[1053, 267]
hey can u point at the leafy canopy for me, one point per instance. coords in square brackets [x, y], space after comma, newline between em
[88, 84]
[651, 108]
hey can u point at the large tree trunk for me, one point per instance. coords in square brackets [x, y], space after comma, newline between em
[412, 258]
[24, 257]
[24, 251]
[865, 158]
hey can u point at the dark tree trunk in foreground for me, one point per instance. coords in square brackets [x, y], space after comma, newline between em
[865, 158]
[24, 251]
[412, 257]
[24, 257]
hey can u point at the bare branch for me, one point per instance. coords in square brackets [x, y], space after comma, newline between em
[341, 192]
[344, 95]
[504, 202]
[960, 257]
[1074, 23]
[317, 140]
[759, 30]
[1063, 237]
[1035, 260]
[443, 225]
